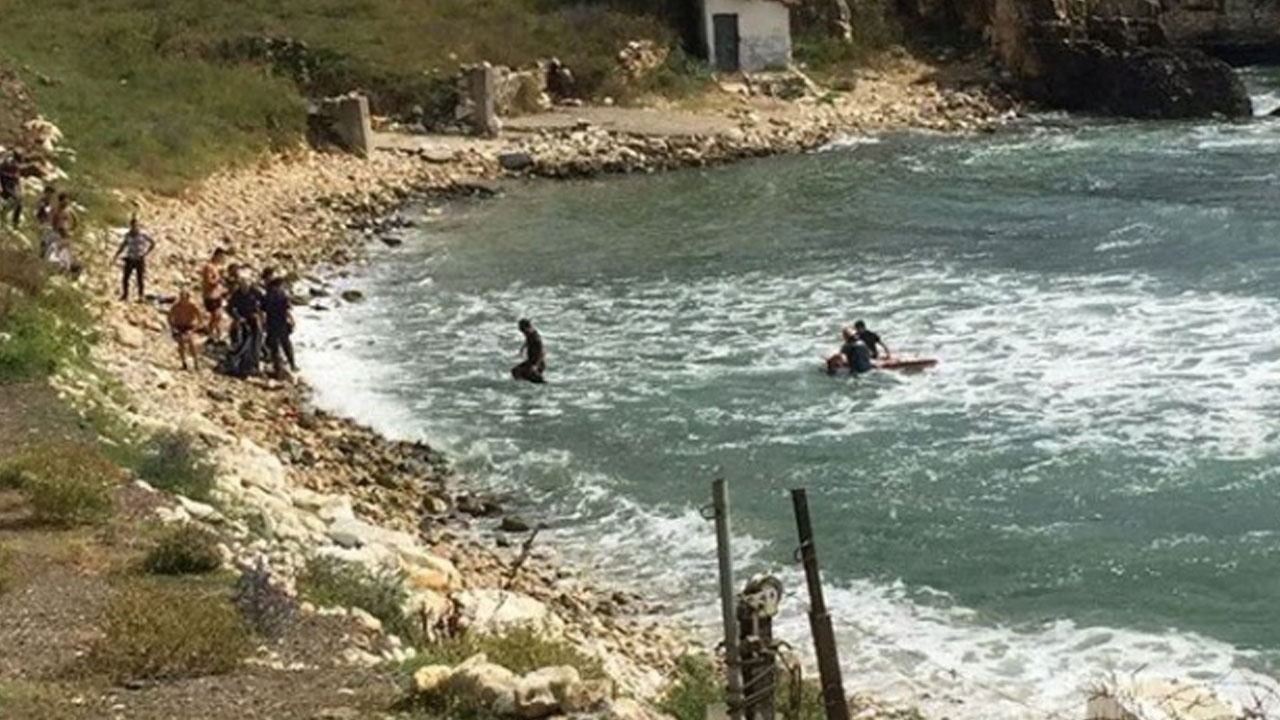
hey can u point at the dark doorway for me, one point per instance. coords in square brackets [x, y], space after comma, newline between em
[725, 36]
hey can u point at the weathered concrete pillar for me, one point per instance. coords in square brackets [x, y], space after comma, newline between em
[351, 120]
[482, 84]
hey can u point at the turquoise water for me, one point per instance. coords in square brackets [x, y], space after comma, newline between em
[1085, 485]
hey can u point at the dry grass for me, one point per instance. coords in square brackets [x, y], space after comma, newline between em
[156, 631]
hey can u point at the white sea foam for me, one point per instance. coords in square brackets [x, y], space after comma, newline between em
[1049, 365]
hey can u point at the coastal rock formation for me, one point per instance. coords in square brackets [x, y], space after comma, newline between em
[1135, 58]
[1111, 57]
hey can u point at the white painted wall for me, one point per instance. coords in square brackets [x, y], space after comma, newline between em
[764, 29]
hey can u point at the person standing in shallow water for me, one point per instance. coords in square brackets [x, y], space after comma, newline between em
[535, 359]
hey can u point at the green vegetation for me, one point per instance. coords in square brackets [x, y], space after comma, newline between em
[158, 631]
[42, 324]
[520, 650]
[875, 29]
[183, 550]
[330, 582]
[697, 684]
[155, 94]
[8, 573]
[66, 484]
[168, 461]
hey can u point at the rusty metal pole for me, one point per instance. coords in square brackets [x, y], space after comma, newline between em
[732, 650]
[824, 639]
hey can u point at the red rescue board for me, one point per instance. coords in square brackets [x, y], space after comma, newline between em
[907, 364]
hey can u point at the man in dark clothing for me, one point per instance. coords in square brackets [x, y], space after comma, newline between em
[276, 306]
[857, 354]
[535, 361]
[11, 185]
[244, 306]
[871, 340]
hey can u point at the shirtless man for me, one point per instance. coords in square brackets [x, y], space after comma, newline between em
[213, 292]
[184, 320]
[535, 361]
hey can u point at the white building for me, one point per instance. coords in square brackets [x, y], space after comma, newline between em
[746, 35]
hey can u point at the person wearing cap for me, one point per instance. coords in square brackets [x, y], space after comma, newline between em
[535, 361]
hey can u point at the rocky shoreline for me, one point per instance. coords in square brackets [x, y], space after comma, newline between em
[294, 481]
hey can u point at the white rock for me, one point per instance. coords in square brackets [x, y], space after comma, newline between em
[198, 510]
[628, 709]
[172, 516]
[491, 611]
[493, 685]
[366, 620]
[586, 696]
[1159, 699]
[428, 679]
[539, 693]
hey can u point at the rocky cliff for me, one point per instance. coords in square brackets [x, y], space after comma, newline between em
[1137, 58]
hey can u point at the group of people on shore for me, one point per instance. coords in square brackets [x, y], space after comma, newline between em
[259, 311]
[53, 214]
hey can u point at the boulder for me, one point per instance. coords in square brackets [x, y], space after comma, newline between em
[587, 696]
[492, 685]
[515, 161]
[492, 611]
[541, 692]
[429, 679]
[129, 335]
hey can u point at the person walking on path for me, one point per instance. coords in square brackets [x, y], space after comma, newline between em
[135, 247]
[213, 293]
[184, 320]
[11, 186]
[535, 361]
[277, 308]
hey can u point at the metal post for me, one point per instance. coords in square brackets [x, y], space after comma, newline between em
[824, 639]
[733, 668]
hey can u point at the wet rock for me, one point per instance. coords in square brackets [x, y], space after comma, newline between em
[352, 296]
[514, 524]
[391, 240]
[515, 161]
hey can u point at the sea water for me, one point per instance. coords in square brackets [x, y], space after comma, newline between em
[1087, 487]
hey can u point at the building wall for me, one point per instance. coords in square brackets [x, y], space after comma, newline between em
[764, 29]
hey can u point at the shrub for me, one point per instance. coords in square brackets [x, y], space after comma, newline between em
[330, 582]
[8, 573]
[266, 606]
[520, 650]
[38, 334]
[697, 684]
[184, 550]
[169, 462]
[66, 484]
[158, 632]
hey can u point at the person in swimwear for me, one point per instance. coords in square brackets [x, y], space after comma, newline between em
[213, 293]
[535, 362]
[184, 320]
